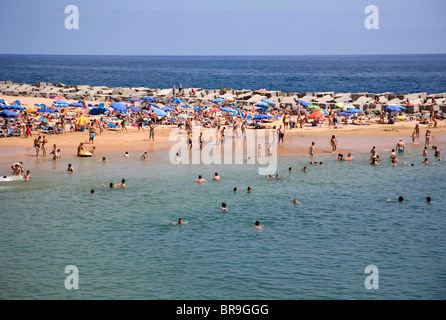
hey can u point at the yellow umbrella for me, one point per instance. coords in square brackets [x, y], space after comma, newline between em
[82, 120]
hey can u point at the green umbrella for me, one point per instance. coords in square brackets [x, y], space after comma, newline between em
[313, 106]
[340, 105]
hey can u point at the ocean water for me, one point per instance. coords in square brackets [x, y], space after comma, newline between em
[364, 73]
[125, 247]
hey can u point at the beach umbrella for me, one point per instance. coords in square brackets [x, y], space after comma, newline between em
[15, 107]
[148, 99]
[57, 97]
[133, 99]
[42, 119]
[45, 110]
[159, 112]
[9, 114]
[81, 110]
[227, 109]
[82, 120]
[119, 107]
[268, 101]
[60, 101]
[348, 106]
[353, 111]
[343, 113]
[213, 109]
[177, 101]
[261, 116]
[76, 104]
[30, 110]
[340, 105]
[262, 105]
[135, 109]
[316, 115]
[167, 108]
[98, 110]
[218, 100]
[304, 103]
[229, 99]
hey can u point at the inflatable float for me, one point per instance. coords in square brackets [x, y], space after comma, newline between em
[349, 158]
[10, 178]
[84, 154]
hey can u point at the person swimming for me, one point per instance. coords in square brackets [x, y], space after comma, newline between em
[223, 206]
[126, 154]
[249, 190]
[235, 189]
[304, 169]
[144, 156]
[92, 191]
[200, 179]
[257, 225]
[216, 177]
[296, 201]
[428, 199]
[70, 168]
[400, 199]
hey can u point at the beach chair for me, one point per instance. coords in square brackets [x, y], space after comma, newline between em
[20, 104]
[112, 126]
[2, 101]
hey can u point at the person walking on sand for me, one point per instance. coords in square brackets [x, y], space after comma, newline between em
[152, 131]
[92, 134]
[334, 143]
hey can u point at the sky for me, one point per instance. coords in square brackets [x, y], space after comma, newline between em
[229, 27]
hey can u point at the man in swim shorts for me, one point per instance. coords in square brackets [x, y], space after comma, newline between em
[400, 146]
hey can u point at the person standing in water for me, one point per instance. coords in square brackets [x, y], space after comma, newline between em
[311, 150]
[400, 146]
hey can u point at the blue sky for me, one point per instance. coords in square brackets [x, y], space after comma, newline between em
[229, 27]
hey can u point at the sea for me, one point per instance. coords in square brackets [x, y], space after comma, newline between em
[123, 243]
[340, 74]
[347, 238]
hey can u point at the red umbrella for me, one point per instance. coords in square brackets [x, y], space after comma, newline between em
[214, 109]
[57, 97]
[316, 115]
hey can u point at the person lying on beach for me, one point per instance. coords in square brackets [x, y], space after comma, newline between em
[200, 179]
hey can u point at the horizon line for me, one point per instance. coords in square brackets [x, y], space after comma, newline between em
[221, 55]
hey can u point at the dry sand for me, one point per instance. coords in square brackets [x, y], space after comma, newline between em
[350, 138]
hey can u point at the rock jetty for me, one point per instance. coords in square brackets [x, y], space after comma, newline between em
[244, 98]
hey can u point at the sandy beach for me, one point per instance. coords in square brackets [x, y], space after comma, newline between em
[351, 138]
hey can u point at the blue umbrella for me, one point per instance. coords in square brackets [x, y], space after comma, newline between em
[76, 104]
[227, 109]
[159, 112]
[60, 102]
[218, 100]
[186, 106]
[269, 101]
[133, 99]
[9, 114]
[98, 110]
[342, 114]
[16, 107]
[148, 99]
[262, 116]
[167, 108]
[304, 103]
[46, 110]
[119, 106]
[393, 108]
[262, 104]
[177, 101]
[135, 109]
[354, 111]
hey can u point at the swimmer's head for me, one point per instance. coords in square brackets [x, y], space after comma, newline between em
[216, 174]
[295, 200]
[257, 223]
[111, 184]
[249, 189]
[123, 180]
[223, 205]
[91, 191]
[400, 199]
[199, 177]
[290, 169]
[104, 158]
[235, 189]
[180, 221]
[428, 199]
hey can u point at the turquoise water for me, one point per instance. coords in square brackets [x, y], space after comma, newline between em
[125, 247]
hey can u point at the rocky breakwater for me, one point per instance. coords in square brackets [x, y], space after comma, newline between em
[365, 101]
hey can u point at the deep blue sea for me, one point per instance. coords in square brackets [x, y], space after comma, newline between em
[350, 73]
